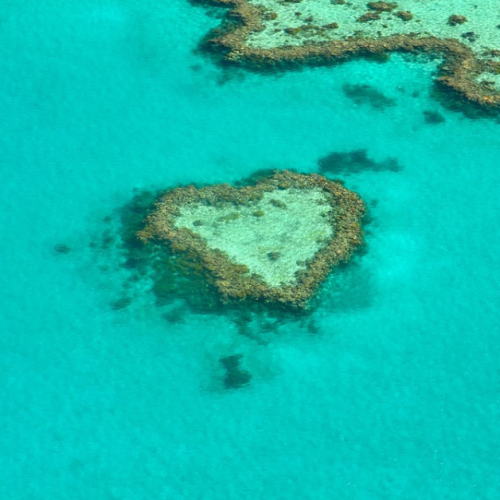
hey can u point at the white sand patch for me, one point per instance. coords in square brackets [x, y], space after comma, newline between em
[270, 240]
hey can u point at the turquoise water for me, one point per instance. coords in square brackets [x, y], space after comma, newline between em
[394, 394]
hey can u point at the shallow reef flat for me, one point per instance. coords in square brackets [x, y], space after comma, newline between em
[273, 241]
[466, 34]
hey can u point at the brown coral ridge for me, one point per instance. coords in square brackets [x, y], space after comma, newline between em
[457, 73]
[233, 281]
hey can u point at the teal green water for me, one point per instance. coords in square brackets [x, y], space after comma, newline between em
[397, 394]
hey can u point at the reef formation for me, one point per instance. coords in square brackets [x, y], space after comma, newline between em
[274, 241]
[466, 35]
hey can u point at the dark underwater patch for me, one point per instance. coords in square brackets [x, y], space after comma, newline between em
[433, 117]
[353, 162]
[62, 248]
[363, 94]
[121, 303]
[176, 314]
[228, 74]
[235, 377]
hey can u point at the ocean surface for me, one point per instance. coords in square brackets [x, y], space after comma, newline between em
[391, 390]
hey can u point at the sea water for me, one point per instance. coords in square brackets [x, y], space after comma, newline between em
[393, 394]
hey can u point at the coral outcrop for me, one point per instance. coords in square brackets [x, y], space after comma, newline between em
[264, 33]
[274, 241]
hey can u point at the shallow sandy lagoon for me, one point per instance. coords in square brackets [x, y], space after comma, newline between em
[272, 237]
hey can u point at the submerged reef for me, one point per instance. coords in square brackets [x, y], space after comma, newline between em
[353, 162]
[273, 33]
[274, 241]
[366, 94]
[235, 377]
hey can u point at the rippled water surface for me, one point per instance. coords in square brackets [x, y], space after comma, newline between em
[390, 390]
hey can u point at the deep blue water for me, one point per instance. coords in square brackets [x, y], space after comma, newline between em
[396, 396]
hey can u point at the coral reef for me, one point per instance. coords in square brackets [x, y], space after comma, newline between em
[455, 19]
[404, 15]
[310, 224]
[272, 33]
[382, 6]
